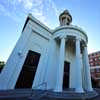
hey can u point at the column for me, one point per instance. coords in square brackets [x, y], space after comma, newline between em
[78, 68]
[61, 66]
[87, 76]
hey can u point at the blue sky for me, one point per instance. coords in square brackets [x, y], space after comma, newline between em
[13, 13]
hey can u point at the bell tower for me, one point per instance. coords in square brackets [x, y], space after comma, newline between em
[65, 18]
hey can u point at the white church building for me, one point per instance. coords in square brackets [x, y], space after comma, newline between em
[48, 59]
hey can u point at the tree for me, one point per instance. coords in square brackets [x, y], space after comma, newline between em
[2, 63]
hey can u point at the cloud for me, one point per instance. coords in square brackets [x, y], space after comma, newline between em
[30, 4]
[53, 5]
[5, 12]
[19, 0]
[2, 9]
[27, 4]
[18, 8]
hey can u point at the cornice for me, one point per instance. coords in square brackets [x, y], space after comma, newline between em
[30, 17]
[70, 27]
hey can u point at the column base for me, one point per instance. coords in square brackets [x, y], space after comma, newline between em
[89, 90]
[79, 90]
[58, 89]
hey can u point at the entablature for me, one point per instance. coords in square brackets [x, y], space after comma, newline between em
[71, 31]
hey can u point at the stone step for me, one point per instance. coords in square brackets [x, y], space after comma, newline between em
[29, 94]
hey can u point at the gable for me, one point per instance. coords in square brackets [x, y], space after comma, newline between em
[37, 26]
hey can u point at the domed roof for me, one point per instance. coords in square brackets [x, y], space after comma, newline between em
[64, 12]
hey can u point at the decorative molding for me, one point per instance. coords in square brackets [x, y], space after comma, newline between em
[62, 36]
[77, 39]
[71, 27]
[33, 19]
[45, 37]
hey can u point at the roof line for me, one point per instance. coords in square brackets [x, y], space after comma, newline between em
[30, 17]
[72, 27]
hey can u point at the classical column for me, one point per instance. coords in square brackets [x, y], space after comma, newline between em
[60, 69]
[87, 76]
[78, 68]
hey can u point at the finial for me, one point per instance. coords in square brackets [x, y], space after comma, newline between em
[65, 18]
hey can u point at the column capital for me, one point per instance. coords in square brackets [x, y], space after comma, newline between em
[85, 45]
[63, 36]
[77, 39]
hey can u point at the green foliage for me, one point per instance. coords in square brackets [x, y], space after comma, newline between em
[2, 63]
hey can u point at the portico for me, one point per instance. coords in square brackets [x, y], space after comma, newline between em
[82, 63]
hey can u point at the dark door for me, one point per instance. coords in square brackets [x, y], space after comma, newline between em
[28, 71]
[66, 75]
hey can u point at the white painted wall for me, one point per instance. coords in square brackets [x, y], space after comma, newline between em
[37, 38]
[29, 40]
[14, 64]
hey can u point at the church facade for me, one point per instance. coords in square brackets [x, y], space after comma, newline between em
[48, 59]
